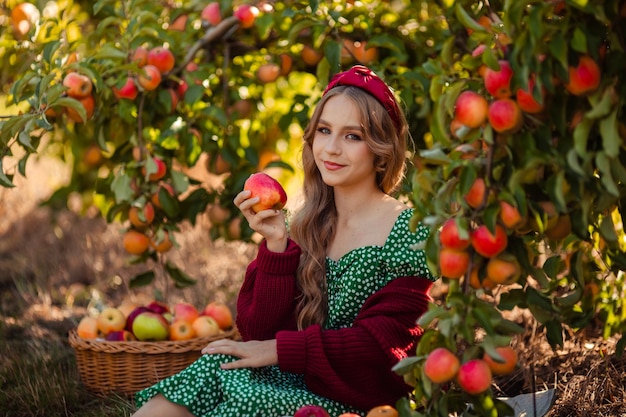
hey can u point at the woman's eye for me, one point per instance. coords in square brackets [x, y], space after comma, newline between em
[352, 136]
[323, 130]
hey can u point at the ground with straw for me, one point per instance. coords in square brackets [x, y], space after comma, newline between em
[57, 265]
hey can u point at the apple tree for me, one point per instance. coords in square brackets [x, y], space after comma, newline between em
[522, 182]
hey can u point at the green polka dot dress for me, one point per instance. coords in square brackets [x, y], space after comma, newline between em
[208, 391]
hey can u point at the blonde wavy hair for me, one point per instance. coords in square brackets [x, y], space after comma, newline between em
[313, 226]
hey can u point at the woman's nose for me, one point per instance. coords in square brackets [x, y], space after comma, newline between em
[332, 145]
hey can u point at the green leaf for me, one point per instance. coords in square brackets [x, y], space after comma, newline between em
[611, 140]
[121, 188]
[554, 333]
[579, 41]
[180, 278]
[108, 51]
[606, 176]
[581, 135]
[434, 312]
[142, 280]
[4, 180]
[467, 20]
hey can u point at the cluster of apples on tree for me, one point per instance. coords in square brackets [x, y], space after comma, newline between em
[526, 132]
[156, 321]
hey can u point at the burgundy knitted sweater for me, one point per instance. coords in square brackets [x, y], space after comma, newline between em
[349, 365]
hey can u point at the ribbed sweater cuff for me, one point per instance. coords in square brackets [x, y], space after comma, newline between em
[278, 263]
[288, 342]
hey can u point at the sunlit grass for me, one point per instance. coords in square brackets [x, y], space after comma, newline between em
[40, 378]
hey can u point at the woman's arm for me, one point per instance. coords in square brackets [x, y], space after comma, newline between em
[353, 365]
[268, 296]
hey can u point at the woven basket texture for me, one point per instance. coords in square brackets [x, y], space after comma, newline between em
[127, 367]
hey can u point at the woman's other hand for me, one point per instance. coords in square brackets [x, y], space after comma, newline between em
[268, 223]
[251, 354]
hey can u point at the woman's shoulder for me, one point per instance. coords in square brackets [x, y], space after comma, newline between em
[404, 250]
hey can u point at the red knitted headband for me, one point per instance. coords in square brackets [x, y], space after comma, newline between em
[363, 78]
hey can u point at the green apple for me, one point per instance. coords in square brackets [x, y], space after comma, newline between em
[150, 326]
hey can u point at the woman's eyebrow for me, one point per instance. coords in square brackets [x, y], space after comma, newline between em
[355, 127]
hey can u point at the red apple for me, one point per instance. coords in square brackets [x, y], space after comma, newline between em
[111, 319]
[269, 191]
[127, 91]
[584, 78]
[133, 314]
[441, 365]
[185, 311]
[140, 56]
[505, 116]
[525, 98]
[453, 263]
[475, 196]
[155, 199]
[120, 336]
[157, 168]
[181, 330]
[311, 411]
[88, 103]
[162, 58]
[158, 307]
[246, 14]
[78, 85]
[471, 109]
[150, 326]
[205, 326]
[150, 78]
[87, 328]
[489, 244]
[220, 313]
[498, 82]
[211, 13]
[450, 237]
[474, 376]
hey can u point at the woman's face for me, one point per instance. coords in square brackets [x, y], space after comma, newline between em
[341, 153]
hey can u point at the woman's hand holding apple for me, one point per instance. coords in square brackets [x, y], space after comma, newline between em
[268, 223]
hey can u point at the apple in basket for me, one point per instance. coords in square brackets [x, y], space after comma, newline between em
[311, 411]
[150, 326]
[205, 326]
[220, 313]
[120, 336]
[111, 319]
[133, 314]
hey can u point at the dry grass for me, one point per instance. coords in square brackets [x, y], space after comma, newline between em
[53, 265]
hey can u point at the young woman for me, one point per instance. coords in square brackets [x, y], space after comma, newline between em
[330, 305]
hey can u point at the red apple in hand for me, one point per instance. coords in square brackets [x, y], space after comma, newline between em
[311, 411]
[271, 194]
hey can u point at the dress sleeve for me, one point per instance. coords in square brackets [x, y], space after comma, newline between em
[403, 254]
[353, 365]
[267, 299]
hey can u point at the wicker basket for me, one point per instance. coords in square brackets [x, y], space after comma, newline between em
[127, 367]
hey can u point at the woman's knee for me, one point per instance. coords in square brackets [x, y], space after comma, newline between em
[158, 406]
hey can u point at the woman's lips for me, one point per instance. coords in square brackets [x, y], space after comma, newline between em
[332, 166]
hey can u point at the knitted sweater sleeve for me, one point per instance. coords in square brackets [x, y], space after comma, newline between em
[353, 365]
[267, 299]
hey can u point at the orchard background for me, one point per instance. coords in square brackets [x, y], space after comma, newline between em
[542, 172]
